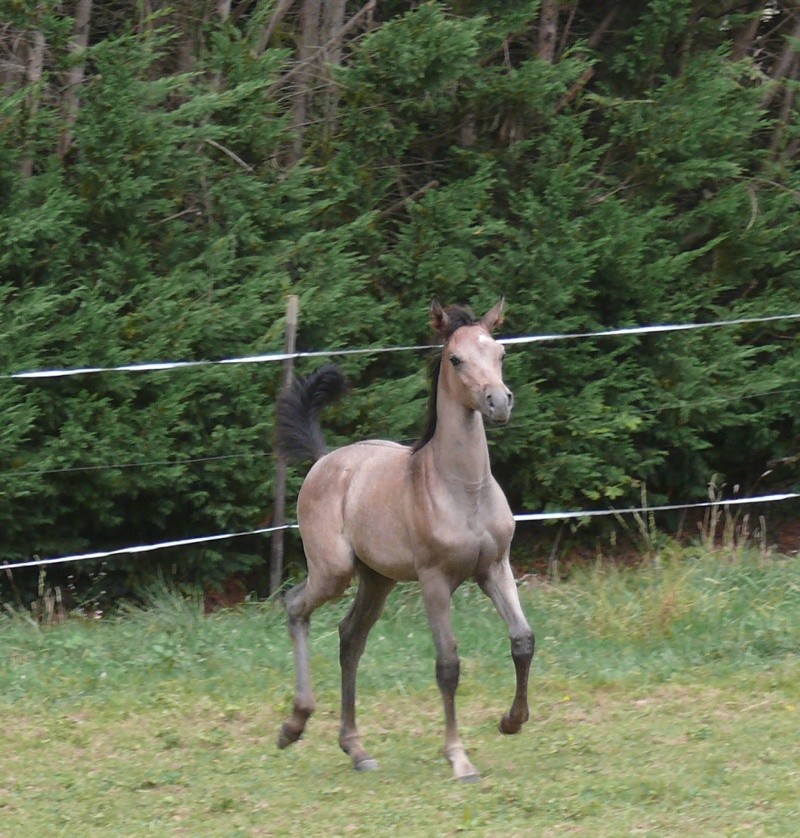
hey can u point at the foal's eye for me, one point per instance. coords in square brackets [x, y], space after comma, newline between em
[455, 360]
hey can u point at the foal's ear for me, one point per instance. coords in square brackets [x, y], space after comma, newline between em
[494, 317]
[439, 319]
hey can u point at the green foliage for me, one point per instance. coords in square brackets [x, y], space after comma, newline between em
[639, 181]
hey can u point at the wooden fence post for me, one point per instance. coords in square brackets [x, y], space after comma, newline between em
[279, 506]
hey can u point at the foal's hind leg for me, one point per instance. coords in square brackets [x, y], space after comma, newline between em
[353, 631]
[300, 602]
[499, 585]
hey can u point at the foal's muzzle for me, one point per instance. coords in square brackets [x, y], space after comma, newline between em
[497, 404]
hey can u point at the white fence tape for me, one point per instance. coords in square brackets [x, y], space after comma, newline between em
[143, 548]
[591, 513]
[648, 330]
[376, 350]
[178, 365]
[535, 516]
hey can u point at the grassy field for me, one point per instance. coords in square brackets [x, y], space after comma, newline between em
[665, 701]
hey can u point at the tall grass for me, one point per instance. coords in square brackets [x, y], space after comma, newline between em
[606, 623]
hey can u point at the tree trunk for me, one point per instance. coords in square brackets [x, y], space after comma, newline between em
[80, 40]
[307, 49]
[332, 24]
[313, 48]
[33, 75]
[548, 30]
[191, 17]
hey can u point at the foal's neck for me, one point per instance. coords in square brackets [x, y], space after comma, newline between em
[459, 449]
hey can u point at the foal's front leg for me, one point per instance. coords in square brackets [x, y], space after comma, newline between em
[499, 585]
[436, 593]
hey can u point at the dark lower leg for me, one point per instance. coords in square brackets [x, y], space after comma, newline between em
[500, 587]
[522, 647]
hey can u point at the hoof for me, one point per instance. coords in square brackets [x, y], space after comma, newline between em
[509, 727]
[287, 736]
[469, 778]
[367, 765]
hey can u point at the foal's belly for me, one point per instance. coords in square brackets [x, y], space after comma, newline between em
[385, 544]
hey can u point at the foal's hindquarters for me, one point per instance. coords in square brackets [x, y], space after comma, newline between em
[365, 509]
[329, 491]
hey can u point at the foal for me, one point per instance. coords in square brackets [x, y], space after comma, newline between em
[431, 513]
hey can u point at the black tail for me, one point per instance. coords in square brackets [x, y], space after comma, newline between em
[298, 434]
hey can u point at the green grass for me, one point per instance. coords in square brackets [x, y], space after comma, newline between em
[665, 700]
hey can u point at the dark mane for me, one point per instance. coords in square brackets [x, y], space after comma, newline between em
[430, 422]
[457, 316]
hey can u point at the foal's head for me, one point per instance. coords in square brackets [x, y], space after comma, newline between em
[472, 360]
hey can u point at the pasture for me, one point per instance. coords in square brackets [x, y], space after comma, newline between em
[664, 700]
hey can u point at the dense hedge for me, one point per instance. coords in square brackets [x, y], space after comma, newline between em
[644, 172]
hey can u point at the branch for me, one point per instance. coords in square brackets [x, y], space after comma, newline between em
[395, 208]
[588, 74]
[246, 166]
[744, 40]
[751, 193]
[274, 22]
[793, 192]
[605, 24]
[562, 44]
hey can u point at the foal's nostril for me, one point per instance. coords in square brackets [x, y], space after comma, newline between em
[489, 400]
[510, 398]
